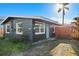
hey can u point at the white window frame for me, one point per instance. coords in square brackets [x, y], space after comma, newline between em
[18, 27]
[40, 28]
[6, 28]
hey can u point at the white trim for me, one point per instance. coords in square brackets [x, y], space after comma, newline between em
[47, 30]
[40, 29]
[4, 19]
[17, 28]
[40, 33]
[6, 28]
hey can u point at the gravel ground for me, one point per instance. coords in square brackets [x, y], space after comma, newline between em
[44, 48]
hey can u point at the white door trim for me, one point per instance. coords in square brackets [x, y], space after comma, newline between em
[47, 30]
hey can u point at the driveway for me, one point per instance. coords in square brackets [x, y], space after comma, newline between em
[43, 49]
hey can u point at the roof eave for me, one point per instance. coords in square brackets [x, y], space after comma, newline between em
[4, 20]
[35, 17]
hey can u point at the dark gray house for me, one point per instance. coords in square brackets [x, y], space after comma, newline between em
[32, 29]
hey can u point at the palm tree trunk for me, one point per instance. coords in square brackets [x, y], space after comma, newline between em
[63, 15]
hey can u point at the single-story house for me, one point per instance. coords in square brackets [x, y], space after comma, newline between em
[31, 28]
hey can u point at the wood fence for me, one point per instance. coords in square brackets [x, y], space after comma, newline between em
[1, 32]
[66, 32]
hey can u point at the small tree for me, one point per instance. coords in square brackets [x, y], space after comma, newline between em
[77, 22]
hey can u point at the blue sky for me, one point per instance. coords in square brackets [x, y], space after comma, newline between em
[48, 10]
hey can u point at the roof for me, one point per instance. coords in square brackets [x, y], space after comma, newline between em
[32, 17]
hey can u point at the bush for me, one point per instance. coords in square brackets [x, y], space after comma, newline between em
[9, 46]
[1, 38]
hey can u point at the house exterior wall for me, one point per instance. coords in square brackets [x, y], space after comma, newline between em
[37, 37]
[7, 34]
[28, 30]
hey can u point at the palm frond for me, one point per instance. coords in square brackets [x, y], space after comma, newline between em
[59, 10]
[66, 8]
[65, 4]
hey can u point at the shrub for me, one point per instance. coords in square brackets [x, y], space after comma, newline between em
[9, 46]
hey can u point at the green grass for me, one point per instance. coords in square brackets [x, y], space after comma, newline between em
[10, 46]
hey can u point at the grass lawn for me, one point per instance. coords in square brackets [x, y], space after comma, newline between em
[8, 46]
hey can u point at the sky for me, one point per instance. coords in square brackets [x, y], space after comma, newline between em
[48, 10]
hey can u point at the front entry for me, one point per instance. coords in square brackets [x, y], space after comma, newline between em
[47, 30]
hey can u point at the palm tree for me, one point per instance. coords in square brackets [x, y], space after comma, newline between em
[64, 6]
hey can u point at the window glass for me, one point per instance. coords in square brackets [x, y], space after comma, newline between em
[39, 28]
[42, 28]
[19, 28]
[8, 27]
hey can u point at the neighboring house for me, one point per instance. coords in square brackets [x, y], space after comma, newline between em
[29, 28]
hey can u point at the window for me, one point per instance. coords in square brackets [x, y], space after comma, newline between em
[39, 28]
[19, 28]
[8, 27]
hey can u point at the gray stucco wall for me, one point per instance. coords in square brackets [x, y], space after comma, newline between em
[9, 35]
[39, 36]
[27, 29]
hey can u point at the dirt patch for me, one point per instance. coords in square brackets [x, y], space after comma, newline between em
[63, 49]
[43, 49]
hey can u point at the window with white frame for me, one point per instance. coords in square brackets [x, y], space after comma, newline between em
[19, 28]
[39, 28]
[8, 28]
